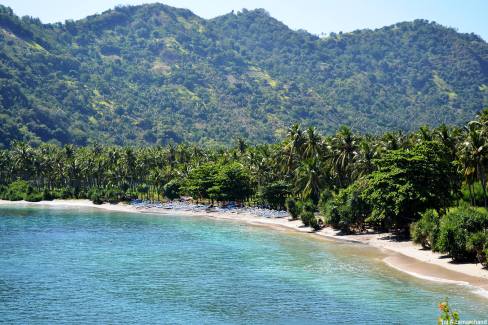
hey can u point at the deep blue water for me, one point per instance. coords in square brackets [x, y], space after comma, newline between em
[91, 266]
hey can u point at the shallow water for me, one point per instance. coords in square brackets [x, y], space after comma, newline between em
[91, 266]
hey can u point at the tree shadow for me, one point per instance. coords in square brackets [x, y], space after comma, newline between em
[342, 232]
[443, 257]
[395, 238]
[459, 262]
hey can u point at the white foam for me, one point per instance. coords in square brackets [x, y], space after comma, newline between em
[476, 290]
[480, 292]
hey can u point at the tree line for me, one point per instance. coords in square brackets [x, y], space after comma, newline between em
[430, 184]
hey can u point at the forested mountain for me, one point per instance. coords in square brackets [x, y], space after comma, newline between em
[154, 74]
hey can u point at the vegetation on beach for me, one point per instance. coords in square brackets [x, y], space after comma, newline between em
[431, 182]
[462, 233]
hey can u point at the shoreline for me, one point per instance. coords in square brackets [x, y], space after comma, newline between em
[404, 256]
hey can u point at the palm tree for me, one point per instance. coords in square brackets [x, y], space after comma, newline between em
[392, 141]
[364, 158]
[241, 145]
[448, 137]
[294, 146]
[171, 154]
[424, 134]
[467, 168]
[312, 143]
[475, 153]
[47, 154]
[5, 167]
[22, 157]
[129, 167]
[344, 147]
[309, 179]
[258, 162]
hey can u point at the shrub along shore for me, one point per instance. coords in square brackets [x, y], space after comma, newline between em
[430, 184]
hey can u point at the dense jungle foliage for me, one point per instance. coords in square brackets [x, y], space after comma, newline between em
[431, 182]
[155, 75]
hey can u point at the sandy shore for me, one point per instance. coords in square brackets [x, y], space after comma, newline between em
[404, 256]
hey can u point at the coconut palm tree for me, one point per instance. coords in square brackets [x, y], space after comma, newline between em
[424, 134]
[309, 179]
[467, 167]
[22, 156]
[241, 145]
[293, 146]
[449, 138]
[392, 141]
[474, 154]
[5, 167]
[363, 161]
[312, 146]
[344, 150]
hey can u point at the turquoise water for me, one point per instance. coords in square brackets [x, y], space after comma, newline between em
[91, 266]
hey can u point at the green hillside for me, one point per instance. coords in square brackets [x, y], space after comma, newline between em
[154, 74]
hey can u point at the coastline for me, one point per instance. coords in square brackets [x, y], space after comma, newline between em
[404, 256]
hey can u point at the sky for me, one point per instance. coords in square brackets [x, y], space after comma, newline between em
[315, 16]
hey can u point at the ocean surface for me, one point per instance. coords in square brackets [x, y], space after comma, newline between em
[80, 266]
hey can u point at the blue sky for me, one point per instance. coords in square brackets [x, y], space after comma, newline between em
[314, 16]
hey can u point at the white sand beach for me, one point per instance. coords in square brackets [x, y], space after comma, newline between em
[404, 256]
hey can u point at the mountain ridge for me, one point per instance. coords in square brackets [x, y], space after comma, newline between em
[155, 74]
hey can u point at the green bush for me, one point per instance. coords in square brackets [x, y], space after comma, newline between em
[476, 197]
[408, 182]
[329, 211]
[98, 196]
[33, 197]
[307, 205]
[274, 194]
[95, 196]
[455, 230]
[326, 207]
[293, 208]
[130, 195]
[17, 191]
[112, 195]
[426, 230]
[65, 193]
[232, 183]
[307, 217]
[347, 210]
[310, 220]
[13, 196]
[315, 223]
[478, 243]
[55, 194]
[143, 188]
[21, 190]
[81, 194]
[47, 195]
[307, 214]
[172, 189]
